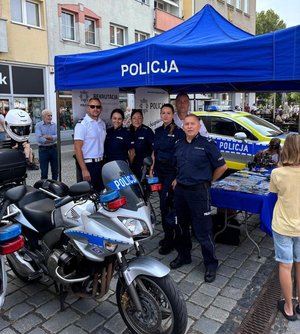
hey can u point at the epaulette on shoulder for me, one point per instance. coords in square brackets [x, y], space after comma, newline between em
[80, 120]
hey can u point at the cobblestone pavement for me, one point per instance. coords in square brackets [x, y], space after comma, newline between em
[218, 307]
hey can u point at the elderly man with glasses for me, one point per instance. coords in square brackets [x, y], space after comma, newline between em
[46, 136]
[89, 137]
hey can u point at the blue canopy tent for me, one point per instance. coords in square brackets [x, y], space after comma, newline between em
[203, 54]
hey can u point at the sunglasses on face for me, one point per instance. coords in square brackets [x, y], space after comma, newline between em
[93, 106]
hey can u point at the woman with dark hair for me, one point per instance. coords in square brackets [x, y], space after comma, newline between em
[164, 167]
[118, 144]
[142, 137]
[285, 182]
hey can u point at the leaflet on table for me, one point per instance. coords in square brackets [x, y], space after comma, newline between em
[248, 183]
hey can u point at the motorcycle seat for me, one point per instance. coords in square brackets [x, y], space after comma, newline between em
[38, 213]
[31, 195]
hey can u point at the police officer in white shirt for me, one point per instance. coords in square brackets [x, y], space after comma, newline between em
[89, 137]
[182, 109]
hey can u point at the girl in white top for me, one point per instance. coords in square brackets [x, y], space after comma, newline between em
[285, 181]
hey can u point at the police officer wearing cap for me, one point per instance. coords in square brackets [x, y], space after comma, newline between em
[118, 144]
[142, 137]
[89, 137]
[198, 162]
[164, 148]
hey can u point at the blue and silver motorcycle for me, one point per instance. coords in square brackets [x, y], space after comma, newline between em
[83, 240]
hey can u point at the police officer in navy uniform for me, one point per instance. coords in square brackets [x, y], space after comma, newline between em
[142, 138]
[164, 148]
[89, 136]
[118, 144]
[198, 162]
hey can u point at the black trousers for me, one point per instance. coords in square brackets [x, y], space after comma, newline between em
[95, 170]
[193, 206]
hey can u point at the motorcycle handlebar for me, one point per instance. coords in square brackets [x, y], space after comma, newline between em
[62, 201]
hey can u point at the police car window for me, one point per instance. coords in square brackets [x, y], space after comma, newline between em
[249, 134]
[263, 127]
[207, 122]
[222, 126]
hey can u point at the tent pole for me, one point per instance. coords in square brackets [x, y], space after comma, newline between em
[274, 107]
[58, 136]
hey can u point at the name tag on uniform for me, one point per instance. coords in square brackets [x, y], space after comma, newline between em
[199, 148]
[120, 138]
[169, 135]
[141, 137]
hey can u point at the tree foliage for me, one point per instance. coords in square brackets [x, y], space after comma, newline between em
[268, 21]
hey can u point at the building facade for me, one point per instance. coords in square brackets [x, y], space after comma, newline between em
[24, 56]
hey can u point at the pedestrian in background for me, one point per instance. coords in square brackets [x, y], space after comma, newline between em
[118, 144]
[142, 137]
[182, 110]
[163, 166]
[89, 137]
[46, 137]
[198, 162]
[285, 182]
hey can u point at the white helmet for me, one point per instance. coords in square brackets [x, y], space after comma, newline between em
[17, 124]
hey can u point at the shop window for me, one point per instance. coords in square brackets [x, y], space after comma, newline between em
[117, 35]
[26, 12]
[140, 36]
[68, 26]
[90, 32]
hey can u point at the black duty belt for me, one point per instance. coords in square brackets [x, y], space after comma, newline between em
[47, 147]
[195, 187]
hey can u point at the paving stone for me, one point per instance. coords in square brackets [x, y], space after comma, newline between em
[194, 310]
[8, 331]
[196, 276]
[40, 298]
[201, 299]
[18, 311]
[224, 303]
[11, 287]
[226, 271]
[61, 320]
[209, 289]
[73, 330]
[14, 299]
[187, 287]
[238, 283]
[85, 305]
[90, 322]
[217, 314]
[206, 326]
[245, 274]
[239, 255]
[33, 288]
[116, 324]
[49, 309]
[106, 309]
[177, 275]
[26, 323]
[3, 323]
[220, 281]
[231, 292]
[37, 331]
[234, 263]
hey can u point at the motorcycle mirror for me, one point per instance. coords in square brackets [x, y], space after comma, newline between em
[148, 161]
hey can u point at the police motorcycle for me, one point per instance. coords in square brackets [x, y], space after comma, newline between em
[82, 241]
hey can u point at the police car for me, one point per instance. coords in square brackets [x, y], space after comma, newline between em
[239, 135]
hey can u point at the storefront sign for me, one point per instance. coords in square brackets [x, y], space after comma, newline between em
[28, 80]
[4, 79]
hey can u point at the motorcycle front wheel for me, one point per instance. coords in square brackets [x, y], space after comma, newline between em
[164, 308]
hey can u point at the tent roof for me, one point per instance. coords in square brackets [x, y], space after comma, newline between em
[203, 54]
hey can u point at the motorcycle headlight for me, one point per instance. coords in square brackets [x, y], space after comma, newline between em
[137, 227]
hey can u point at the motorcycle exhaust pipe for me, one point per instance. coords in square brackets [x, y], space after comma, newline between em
[65, 280]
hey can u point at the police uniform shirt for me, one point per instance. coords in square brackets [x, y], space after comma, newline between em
[93, 134]
[203, 131]
[117, 143]
[164, 142]
[142, 139]
[197, 160]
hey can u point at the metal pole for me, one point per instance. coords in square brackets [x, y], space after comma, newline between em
[274, 107]
[58, 136]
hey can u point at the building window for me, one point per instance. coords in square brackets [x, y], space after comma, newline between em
[238, 4]
[68, 26]
[90, 32]
[230, 2]
[117, 35]
[26, 12]
[140, 36]
[246, 7]
[160, 5]
[144, 1]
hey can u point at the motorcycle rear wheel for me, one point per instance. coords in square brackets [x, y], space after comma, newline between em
[164, 308]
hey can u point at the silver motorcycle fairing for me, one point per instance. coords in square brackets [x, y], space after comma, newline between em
[144, 265]
[3, 280]
[13, 209]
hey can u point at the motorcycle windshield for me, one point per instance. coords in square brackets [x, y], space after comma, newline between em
[116, 175]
